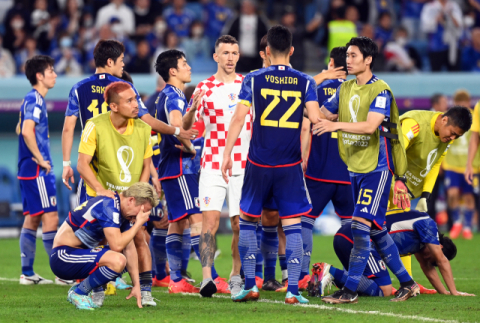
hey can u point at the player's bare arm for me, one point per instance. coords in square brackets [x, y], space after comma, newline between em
[327, 114]
[28, 133]
[368, 127]
[431, 273]
[236, 125]
[83, 167]
[472, 151]
[189, 117]
[67, 143]
[163, 128]
[336, 73]
[155, 182]
[145, 176]
[130, 253]
[305, 139]
[176, 121]
[313, 111]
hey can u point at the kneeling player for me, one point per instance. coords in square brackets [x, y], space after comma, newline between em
[77, 253]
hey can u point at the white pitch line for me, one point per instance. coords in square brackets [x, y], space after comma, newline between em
[9, 279]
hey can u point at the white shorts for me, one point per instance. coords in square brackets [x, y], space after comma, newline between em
[213, 191]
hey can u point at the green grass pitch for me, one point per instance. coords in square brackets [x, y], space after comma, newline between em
[47, 303]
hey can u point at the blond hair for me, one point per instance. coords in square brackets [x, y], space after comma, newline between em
[461, 96]
[142, 192]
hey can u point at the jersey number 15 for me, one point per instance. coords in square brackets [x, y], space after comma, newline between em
[283, 121]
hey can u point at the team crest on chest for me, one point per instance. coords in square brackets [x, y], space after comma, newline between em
[232, 97]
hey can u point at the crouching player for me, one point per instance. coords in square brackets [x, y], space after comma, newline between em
[77, 251]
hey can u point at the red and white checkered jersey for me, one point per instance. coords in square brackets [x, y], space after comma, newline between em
[217, 108]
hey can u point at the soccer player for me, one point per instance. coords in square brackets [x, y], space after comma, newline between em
[368, 118]
[218, 102]
[114, 153]
[277, 95]
[86, 101]
[457, 187]
[326, 174]
[176, 169]
[77, 253]
[35, 169]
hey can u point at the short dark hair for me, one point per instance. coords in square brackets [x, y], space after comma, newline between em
[436, 98]
[105, 49]
[459, 117]
[263, 44]
[366, 46]
[126, 77]
[167, 60]
[37, 64]
[339, 13]
[279, 39]
[225, 39]
[339, 56]
[449, 248]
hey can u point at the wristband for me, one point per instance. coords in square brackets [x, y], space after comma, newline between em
[192, 148]
[177, 131]
[401, 178]
[425, 195]
[67, 163]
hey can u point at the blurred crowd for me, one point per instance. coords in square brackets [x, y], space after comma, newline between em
[413, 35]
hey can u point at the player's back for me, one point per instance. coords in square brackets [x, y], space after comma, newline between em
[278, 96]
[86, 97]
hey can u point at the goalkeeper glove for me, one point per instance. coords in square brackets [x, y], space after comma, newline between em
[400, 194]
[422, 203]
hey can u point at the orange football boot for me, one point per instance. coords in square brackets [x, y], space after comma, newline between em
[455, 231]
[303, 284]
[222, 285]
[181, 287]
[162, 282]
[467, 234]
[258, 282]
[424, 290]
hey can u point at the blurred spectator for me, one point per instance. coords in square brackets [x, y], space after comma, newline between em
[248, 27]
[340, 30]
[144, 17]
[471, 54]
[369, 31]
[351, 14]
[475, 4]
[197, 46]
[150, 102]
[15, 37]
[216, 15]
[378, 7]
[140, 62]
[384, 30]
[5, 5]
[289, 20]
[442, 21]
[439, 102]
[7, 64]
[156, 36]
[71, 17]
[63, 4]
[170, 42]
[67, 58]
[117, 9]
[105, 32]
[179, 18]
[29, 50]
[396, 53]
[40, 16]
[46, 37]
[411, 12]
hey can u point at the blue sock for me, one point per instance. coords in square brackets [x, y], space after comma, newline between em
[47, 238]
[150, 246]
[389, 253]
[456, 215]
[467, 221]
[307, 238]
[146, 281]
[159, 252]
[242, 273]
[282, 259]
[28, 245]
[369, 287]
[98, 278]
[269, 248]
[259, 256]
[359, 255]
[186, 248]
[174, 255]
[195, 242]
[294, 252]
[339, 276]
[247, 247]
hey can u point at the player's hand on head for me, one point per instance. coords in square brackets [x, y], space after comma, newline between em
[45, 164]
[323, 126]
[227, 166]
[336, 73]
[67, 175]
[142, 216]
[135, 292]
[188, 134]
[107, 193]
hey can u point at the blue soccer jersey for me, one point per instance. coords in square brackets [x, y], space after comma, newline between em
[277, 95]
[170, 99]
[324, 162]
[90, 218]
[411, 231]
[86, 98]
[33, 108]
[381, 104]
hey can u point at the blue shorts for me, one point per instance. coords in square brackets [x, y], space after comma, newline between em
[181, 194]
[323, 192]
[285, 185]
[375, 268]
[73, 263]
[39, 195]
[371, 192]
[157, 213]
[453, 179]
[81, 192]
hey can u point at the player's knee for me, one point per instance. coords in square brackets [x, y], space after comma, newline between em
[196, 228]
[50, 220]
[235, 225]
[387, 290]
[32, 222]
[116, 261]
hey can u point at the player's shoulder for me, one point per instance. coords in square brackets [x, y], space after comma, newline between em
[334, 83]
[86, 82]
[110, 204]
[173, 92]
[33, 97]
[207, 84]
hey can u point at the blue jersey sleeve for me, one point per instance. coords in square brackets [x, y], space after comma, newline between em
[73, 105]
[245, 94]
[311, 93]
[427, 231]
[176, 103]
[332, 103]
[382, 103]
[108, 216]
[32, 109]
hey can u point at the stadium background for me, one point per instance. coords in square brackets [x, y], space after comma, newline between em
[68, 30]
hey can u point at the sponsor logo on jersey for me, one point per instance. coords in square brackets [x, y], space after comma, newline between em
[96, 250]
[294, 261]
[252, 256]
[364, 210]
[232, 97]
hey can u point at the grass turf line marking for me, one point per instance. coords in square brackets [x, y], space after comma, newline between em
[339, 309]
[10, 279]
